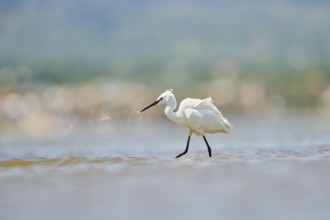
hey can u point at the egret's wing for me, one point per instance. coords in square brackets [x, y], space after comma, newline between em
[206, 119]
[198, 103]
[193, 115]
[203, 114]
[194, 119]
[208, 104]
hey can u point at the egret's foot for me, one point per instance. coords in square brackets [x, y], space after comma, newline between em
[183, 153]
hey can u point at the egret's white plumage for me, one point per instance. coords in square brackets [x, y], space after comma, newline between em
[200, 116]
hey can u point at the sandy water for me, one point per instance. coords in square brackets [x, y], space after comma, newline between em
[265, 169]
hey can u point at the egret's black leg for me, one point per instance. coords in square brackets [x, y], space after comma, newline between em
[186, 150]
[208, 146]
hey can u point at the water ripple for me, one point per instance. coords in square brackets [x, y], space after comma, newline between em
[228, 156]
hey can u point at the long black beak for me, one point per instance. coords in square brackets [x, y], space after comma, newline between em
[149, 106]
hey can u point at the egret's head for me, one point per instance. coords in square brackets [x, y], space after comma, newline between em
[162, 99]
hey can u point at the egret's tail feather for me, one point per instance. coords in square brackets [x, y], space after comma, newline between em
[227, 124]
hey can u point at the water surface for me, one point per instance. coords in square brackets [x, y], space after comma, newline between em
[264, 169]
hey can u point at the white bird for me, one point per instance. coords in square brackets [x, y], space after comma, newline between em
[200, 116]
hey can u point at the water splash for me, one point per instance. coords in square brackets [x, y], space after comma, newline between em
[69, 123]
[104, 117]
[130, 122]
[100, 121]
[103, 121]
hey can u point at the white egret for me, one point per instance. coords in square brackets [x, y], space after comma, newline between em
[200, 116]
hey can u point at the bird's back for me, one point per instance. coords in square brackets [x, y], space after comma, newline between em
[202, 114]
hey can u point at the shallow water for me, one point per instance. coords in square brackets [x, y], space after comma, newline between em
[265, 169]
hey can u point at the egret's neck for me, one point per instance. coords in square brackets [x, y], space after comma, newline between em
[169, 109]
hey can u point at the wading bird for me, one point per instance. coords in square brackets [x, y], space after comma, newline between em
[200, 116]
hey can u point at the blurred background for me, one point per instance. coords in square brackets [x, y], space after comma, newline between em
[74, 73]
[98, 62]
